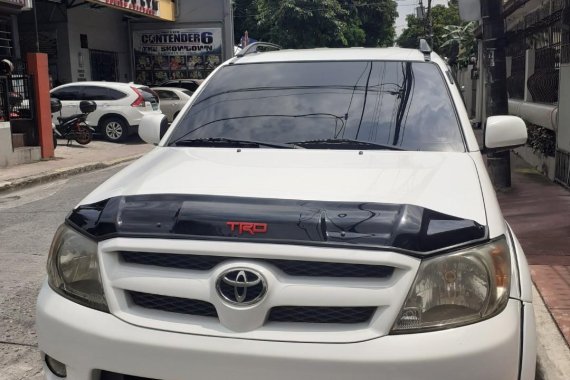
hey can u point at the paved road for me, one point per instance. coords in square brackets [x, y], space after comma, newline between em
[28, 220]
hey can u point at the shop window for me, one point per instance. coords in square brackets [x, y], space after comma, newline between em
[5, 38]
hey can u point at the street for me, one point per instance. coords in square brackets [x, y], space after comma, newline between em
[28, 220]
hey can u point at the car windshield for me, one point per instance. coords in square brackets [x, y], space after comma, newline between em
[312, 104]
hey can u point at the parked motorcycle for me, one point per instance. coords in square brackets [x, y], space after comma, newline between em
[73, 127]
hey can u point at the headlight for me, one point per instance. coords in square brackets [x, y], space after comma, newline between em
[73, 269]
[458, 289]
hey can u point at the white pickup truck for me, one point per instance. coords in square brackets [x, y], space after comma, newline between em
[311, 214]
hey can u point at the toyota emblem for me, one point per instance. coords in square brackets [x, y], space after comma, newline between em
[241, 286]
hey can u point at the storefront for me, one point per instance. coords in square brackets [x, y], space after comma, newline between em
[191, 47]
[146, 41]
[17, 119]
[165, 54]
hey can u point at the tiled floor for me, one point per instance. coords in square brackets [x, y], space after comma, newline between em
[539, 213]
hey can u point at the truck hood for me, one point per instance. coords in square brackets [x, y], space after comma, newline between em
[442, 181]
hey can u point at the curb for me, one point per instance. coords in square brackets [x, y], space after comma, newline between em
[553, 354]
[62, 173]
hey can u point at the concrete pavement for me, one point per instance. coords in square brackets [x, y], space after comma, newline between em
[538, 212]
[71, 160]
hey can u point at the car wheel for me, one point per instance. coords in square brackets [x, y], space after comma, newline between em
[114, 129]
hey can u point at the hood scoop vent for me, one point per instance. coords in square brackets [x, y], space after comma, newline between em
[402, 227]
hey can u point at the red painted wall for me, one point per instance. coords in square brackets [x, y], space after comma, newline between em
[38, 68]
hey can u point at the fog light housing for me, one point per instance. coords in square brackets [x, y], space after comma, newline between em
[56, 367]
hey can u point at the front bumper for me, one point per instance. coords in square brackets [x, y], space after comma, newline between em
[87, 341]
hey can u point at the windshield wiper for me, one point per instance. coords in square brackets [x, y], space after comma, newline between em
[344, 144]
[227, 142]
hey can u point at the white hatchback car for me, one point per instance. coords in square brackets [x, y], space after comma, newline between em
[311, 214]
[120, 106]
[172, 100]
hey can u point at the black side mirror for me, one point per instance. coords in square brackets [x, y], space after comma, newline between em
[164, 125]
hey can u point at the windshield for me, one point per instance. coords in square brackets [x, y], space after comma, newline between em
[398, 104]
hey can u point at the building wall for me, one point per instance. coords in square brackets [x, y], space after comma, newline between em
[105, 30]
[63, 63]
[109, 29]
[199, 13]
[53, 36]
[210, 11]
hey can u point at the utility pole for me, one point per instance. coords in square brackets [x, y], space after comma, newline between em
[429, 25]
[497, 98]
[35, 7]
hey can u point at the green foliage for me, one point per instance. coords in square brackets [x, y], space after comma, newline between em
[411, 35]
[377, 20]
[442, 16]
[541, 140]
[303, 23]
[317, 23]
[245, 12]
[464, 37]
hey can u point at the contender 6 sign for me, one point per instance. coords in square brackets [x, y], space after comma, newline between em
[20, 3]
[178, 41]
[147, 7]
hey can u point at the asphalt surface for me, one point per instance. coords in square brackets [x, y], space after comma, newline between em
[28, 221]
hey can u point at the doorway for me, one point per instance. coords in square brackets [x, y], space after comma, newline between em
[104, 65]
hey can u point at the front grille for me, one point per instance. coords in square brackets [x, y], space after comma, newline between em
[300, 314]
[174, 304]
[290, 267]
[321, 314]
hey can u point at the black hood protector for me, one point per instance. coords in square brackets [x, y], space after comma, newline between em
[408, 228]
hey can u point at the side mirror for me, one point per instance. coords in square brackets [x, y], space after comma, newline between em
[152, 128]
[504, 132]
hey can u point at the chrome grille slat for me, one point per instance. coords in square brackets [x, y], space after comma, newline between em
[290, 267]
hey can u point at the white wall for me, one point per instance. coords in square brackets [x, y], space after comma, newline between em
[105, 30]
[211, 11]
[465, 84]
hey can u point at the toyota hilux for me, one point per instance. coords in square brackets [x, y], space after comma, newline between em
[311, 214]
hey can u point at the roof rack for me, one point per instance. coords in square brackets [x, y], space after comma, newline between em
[426, 49]
[249, 49]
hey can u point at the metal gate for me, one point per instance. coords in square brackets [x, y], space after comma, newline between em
[17, 105]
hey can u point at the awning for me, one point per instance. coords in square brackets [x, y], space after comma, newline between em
[13, 6]
[158, 9]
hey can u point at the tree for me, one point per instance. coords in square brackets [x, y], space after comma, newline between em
[376, 20]
[463, 36]
[303, 23]
[245, 12]
[442, 16]
[317, 23]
